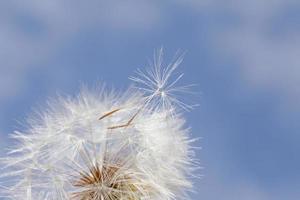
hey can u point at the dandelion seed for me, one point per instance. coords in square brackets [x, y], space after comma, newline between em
[159, 86]
[109, 113]
[70, 152]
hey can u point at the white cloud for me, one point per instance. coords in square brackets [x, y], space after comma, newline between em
[31, 32]
[262, 40]
[266, 61]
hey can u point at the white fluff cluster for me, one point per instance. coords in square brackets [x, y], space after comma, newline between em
[105, 146]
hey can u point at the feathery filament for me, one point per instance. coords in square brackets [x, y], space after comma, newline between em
[138, 149]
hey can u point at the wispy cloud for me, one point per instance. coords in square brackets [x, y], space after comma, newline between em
[31, 33]
[262, 37]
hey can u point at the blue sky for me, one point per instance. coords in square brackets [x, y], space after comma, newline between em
[243, 56]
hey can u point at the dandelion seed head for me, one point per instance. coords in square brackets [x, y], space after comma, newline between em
[101, 145]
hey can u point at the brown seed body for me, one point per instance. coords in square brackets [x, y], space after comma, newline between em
[106, 183]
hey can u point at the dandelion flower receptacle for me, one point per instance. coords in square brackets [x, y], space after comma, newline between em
[101, 145]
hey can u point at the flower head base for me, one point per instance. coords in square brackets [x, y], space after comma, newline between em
[102, 146]
[107, 182]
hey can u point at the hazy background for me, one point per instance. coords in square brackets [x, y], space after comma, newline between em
[244, 57]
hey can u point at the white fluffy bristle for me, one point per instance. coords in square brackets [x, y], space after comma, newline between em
[104, 146]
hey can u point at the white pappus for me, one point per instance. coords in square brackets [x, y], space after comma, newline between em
[103, 145]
